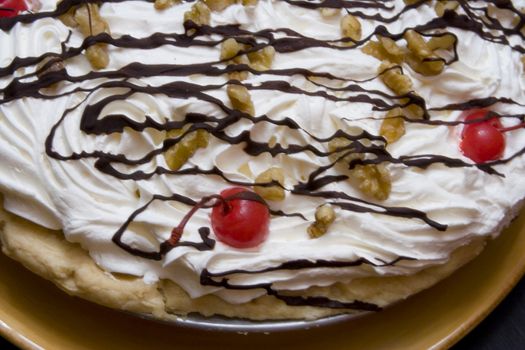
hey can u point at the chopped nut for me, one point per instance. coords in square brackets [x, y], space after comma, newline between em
[401, 84]
[350, 27]
[240, 99]
[68, 18]
[262, 60]
[316, 230]
[391, 47]
[89, 20]
[341, 144]
[271, 193]
[422, 59]
[393, 126]
[417, 44]
[431, 66]
[325, 214]
[324, 217]
[373, 180]
[177, 155]
[414, 111]
[218, 5]
[199, 14]
[164, 4]
[238, 75]
[91, 23]
[394, 78]
[375, 49]
[442, 42]
[443, 5]
[98, 56]
[230, 48]
[384, 49]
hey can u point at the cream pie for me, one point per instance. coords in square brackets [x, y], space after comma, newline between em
[259, 159]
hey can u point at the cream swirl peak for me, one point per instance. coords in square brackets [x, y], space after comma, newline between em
[83, 150]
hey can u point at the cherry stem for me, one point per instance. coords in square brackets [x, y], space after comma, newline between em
[176, 233]
[511, 128]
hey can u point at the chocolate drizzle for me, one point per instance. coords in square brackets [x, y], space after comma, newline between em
[284, 40]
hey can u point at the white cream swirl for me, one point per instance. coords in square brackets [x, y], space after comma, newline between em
[90, 206]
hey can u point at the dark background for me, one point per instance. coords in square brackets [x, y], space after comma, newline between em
[503, 329]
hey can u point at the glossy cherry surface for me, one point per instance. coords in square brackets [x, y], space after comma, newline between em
[482, 140]
[11, 8]
[240, 222]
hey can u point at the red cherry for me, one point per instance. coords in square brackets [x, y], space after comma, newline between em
[482, 141]
[240, 222]
[478, 116]
[11, 8]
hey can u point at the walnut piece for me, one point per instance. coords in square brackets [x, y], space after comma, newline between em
[442, 42]
[229, 50]
[401, 84]
[68, 18]
[339, 147]
[199, 14]
[393, 126]
[262, 60]
[240, 99]
[218, 5]
[165, 4]
[394, 78]
[385, 49]
[417, 44]
[373, 180]
[324, 217]
[91, 23]
[422, 60]
[271, 193]
[351, 28]
[443, 5]
[177, 155]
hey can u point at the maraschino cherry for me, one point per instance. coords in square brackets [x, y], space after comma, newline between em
[242, 220]
[239, 218]
[482, 139]
[11, 8]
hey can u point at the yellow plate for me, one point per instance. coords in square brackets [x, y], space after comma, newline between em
[34, 314]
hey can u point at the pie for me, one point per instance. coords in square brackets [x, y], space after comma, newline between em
[258, 159]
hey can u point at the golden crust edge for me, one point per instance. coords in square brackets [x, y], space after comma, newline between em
[67, 265]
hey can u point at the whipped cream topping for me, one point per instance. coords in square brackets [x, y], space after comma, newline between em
[90, 205]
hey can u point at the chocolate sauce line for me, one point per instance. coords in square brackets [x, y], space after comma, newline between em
[292, 300]
[308, 264]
